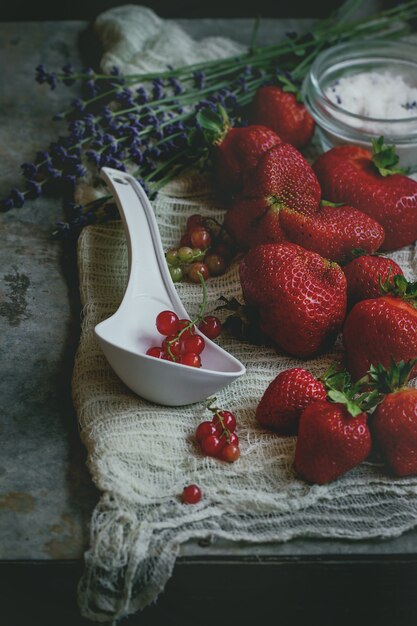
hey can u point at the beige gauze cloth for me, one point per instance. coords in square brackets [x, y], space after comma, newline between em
[141, 455]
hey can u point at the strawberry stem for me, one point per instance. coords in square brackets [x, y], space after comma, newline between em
[385, 380]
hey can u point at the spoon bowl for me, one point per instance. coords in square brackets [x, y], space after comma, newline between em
[130, 331]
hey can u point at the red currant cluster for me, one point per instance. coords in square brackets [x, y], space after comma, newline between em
[204, 249]
[182, 344]
[217, 437]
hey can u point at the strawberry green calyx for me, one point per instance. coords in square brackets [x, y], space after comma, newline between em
[340, 389]
[389, 379]
[214, 124]
[243, 321]
[400, 287]
[288, 85]
[331, 204]
[385, 158]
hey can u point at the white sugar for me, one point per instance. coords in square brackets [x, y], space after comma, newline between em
[381, 95]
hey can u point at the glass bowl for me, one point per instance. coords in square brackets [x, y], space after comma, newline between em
[336, 125]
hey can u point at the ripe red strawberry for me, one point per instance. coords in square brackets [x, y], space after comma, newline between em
[281, 111]
[333, 231]
[237, 152]
[394, 422]
[286, 397]
[382, 329]
[348, 174]
[331, 441]
[300, 296]
[365, 274]
[282, 178]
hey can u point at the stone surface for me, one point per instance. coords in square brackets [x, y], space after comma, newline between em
[46, 494]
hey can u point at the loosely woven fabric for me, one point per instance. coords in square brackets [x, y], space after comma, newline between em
[141, 455]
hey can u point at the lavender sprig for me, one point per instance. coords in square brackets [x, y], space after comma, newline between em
[148, 123]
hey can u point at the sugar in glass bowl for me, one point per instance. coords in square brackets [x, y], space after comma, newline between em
[361, 90]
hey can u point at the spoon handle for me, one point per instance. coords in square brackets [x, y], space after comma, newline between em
[148, 270]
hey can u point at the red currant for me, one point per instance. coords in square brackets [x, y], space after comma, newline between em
[191, 359]
[223, 250]
[228, 419]
[172, 344]
[193, 343]
[185, 241]
[195, 270]
[194, 221]
[155, 351]
[176, 274]
[183, 324]
[210, 326]
[167, 322]
[216, 264]
[200, 238]
[185, 254]
[230, 453]
[211, 445]
[191, 494]
[172, 256]
[204, 430]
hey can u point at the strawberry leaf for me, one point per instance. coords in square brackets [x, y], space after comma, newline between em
[341, 398]
[214, 124]
[243, 323]
[289, 86]
[400, 287]
[385, 158]
[389, 379]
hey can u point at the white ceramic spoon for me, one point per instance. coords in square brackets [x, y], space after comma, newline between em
[127, 334]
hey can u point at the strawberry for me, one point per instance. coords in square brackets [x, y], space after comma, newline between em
[349, 174]
[331, 441]
[333, 231]
[300, 296]
[280, 110]
[383, 328]
[235, 151]
[282, 178]
[286, 397]
[366, 273]
[394, 422]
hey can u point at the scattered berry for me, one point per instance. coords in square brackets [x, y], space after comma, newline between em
[191, 494]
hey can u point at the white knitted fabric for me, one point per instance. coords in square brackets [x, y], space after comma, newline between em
[142, 455]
